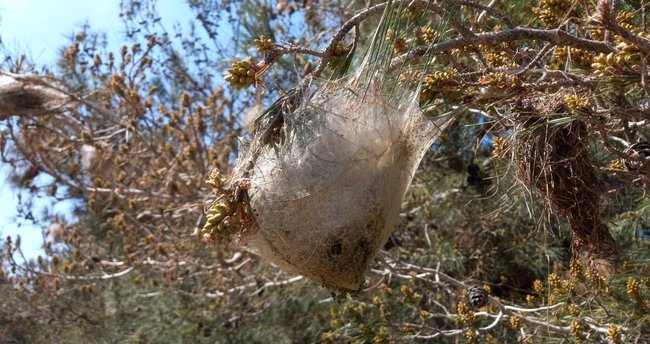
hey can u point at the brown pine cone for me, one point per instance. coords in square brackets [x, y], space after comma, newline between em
[640, 150]
[477, 296]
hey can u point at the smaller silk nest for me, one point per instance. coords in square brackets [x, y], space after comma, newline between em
[327, 195]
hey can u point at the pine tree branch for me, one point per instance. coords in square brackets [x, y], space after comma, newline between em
[555, 37]
[328, 52]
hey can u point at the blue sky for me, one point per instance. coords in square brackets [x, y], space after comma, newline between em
[39, 29]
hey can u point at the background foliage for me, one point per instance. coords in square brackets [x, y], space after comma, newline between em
[146, 125]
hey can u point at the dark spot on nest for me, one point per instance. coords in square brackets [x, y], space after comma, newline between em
[336, 249]
[362, 249]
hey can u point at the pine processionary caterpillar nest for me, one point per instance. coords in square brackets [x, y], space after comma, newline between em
[326, 199]
[318, 189]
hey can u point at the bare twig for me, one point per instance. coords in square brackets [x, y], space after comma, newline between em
[241, 288]
[489, 9]
[536, 59]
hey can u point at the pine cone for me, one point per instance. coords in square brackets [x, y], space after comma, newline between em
[477, 296]
[640, 150]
